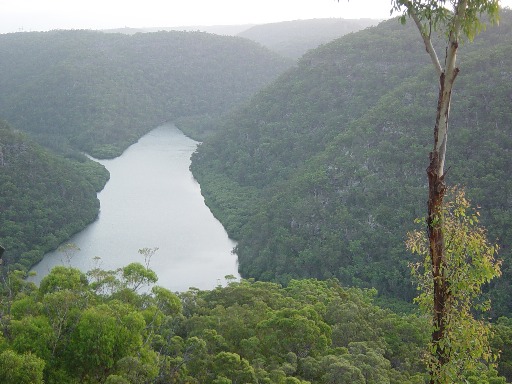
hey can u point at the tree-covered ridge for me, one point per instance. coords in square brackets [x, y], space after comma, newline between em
[100, 92]
[329, 160]
[288, 38]
[100, 328]
[294, 38]
[44, 198]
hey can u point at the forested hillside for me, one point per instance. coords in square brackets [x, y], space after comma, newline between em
[322, 174]
[98, 328]
[44, 198]
[294, 38]
[100, 92]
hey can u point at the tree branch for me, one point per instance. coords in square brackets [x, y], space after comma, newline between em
[427, 41]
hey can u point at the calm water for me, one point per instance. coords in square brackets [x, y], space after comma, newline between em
[152, 201]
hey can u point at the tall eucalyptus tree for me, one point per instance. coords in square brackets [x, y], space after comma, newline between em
[457, 20]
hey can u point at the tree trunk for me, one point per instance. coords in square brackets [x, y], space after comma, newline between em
[436, 193]
[435, 171]
[437, 190]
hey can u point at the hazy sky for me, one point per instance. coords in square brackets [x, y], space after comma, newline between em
[35, 15]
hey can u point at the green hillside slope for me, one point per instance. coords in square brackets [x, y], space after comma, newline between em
[100, 92]
[327, 166]
[44, 199]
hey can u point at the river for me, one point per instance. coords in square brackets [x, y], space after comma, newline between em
[153, 201]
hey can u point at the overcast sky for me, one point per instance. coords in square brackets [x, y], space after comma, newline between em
[37, 15]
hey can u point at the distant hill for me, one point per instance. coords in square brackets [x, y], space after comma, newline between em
[288, 38]
[322, 173]
[294, 38]
[228, 30]
[100, 92]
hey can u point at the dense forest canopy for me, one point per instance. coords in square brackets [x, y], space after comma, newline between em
[306, 175]
[99, 328]
[100, 92]
[44, 198]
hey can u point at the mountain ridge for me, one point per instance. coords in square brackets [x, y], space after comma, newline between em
[330, 159]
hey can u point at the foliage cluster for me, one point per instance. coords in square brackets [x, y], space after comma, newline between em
[327, 163]
[106, 327]
[44, 198]
[117, 327]
[470, 264]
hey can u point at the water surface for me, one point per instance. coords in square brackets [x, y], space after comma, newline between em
[152, 200]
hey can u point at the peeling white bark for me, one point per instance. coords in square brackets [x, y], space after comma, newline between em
[428, 44]
[446, 75]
